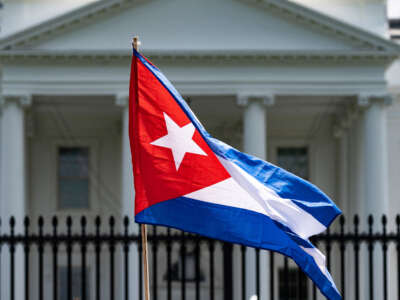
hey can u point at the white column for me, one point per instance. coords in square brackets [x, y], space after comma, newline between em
[343, 134]
[128, 193]
[345, 196]
[356, 172]
[375, 161]
[127, 188]
[376, 174]
[374, 178]
[254, 126]
[255, 143]
[12, 190]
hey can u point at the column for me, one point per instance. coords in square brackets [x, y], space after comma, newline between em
[343, 134]
[376, 173]
[127, 188]
[356, 172]
[128, 193]
[375, 161]
[12, 189]
[255, 143]
[374, 178]
[344, 199]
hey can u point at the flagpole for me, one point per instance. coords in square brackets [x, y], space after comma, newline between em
[143, 227]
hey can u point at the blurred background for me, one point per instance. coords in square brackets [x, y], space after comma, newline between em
[312, 86]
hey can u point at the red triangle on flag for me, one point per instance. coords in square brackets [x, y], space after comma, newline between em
[170, 157]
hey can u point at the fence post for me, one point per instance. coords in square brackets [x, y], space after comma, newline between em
[27, 250]
[55, 258]
[228, 276]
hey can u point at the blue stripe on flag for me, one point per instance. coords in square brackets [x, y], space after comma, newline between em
[239, 226]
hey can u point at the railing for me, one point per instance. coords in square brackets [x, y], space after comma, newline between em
[92, 261]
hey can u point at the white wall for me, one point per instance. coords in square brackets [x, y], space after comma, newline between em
[312, 130]
[368, 14]
[394, 157]
[55, 125]
[20, 14]
[98, 126]
[181, 24]
[393, 137]
[393, 77]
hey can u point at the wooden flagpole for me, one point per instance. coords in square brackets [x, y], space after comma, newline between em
[143, 227]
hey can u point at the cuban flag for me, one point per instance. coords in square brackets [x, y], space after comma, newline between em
[186, 179]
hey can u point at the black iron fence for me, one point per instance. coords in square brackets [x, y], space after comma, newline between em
[86, 260]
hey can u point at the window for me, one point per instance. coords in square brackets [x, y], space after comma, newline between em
[295, 160]
[76, 283]
[292, 284]
[394, 28]
[73, 177]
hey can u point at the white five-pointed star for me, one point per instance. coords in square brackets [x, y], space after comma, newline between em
[179, 140]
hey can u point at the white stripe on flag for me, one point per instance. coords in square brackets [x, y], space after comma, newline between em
[244, 191]
[319, 258]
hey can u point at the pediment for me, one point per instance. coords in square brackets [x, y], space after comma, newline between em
[188, 25]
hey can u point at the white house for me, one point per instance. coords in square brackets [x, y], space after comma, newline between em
[311, 85]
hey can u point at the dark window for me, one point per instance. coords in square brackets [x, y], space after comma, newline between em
[73, 177]
[395, 28]
[294, 286]
[395, 23]
[76, 283]
[294, 160]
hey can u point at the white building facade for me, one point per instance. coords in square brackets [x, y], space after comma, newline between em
[305, 84]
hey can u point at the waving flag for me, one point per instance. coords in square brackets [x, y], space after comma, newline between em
[186, 179]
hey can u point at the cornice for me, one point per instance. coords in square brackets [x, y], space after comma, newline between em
[200, 56]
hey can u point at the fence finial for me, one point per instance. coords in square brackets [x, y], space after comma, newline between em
[69, 221]
[54, 221]
[41, 221]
